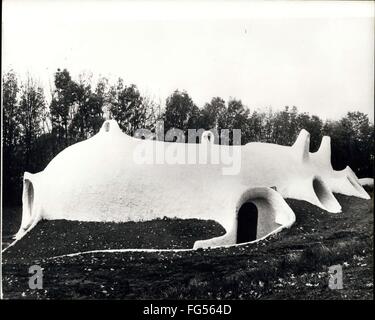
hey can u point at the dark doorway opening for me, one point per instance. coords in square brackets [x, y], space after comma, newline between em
[247, 223]
[29, 194]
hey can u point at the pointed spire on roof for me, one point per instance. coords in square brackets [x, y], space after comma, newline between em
[302, 145]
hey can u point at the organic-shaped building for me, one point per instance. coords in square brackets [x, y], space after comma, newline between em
[115, 177]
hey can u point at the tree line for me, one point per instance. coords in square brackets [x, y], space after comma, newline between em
[35, 131]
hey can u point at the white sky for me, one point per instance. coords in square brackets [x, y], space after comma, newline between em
[316, 56]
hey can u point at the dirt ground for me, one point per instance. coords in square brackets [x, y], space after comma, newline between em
[290, 265]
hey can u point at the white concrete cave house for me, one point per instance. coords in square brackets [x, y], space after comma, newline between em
[103, 179]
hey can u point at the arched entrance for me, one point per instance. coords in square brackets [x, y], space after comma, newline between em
[28, 195]
[247, 223]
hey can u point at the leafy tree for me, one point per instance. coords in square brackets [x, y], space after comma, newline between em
[255, 123]
[236, 117]
[128, 107]
[352, 143]
[267, 124]
[88, 116]
[180, 112]
[213, 114]
[12, 169]
[62, 107]
[280, 127]
[154, 112]
[10, 109]
[30, 117]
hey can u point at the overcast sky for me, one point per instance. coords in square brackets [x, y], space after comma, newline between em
[316, 56]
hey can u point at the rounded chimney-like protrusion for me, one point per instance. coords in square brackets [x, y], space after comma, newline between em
[301, 146]
[208, 136]
[110, 126]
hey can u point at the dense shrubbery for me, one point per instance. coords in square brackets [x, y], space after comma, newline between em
[35, 130]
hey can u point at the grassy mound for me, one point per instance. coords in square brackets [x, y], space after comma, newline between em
[59, 237]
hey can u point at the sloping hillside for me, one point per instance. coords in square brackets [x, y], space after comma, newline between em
[290, 265]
